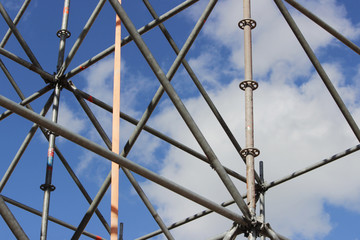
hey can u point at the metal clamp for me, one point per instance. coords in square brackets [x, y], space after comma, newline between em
[252, 151]
[247, 21]
[248, 83]
[45, 187]
[63, 32]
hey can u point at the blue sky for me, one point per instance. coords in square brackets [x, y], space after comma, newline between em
[296, 121]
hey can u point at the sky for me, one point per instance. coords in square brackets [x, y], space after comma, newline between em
[296, 121]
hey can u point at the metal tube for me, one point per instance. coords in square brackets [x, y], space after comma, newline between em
[324, 25]
[47, 187]
[63, 33]
[16, 21]
[198, 84]
[128, 39]
[55, 220]
[62, 66]
[124, 162]
[45, 75]
[262, 197]
[27, 100]
[11, 221]
[319, 69]
[128, 174]
[314, 166]
[23, 147]
[249, 118]
[178, 103]
[18, 36]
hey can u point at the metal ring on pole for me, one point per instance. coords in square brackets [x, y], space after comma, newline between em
[250, 151]
[63, 32]
[44, 187]
[248, 83]
[247, 21]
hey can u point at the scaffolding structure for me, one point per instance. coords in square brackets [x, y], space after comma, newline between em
[248, 220]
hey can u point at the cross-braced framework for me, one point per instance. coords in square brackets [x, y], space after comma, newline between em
[247, 220]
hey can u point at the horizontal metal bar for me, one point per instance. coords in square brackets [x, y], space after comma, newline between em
[124, 162]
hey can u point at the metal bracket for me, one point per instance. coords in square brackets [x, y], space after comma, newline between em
[252, 151]
[247, 21]
[44, 187]
[248, 83]
[63, 32]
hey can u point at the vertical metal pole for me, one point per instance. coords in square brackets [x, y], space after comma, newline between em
[121, 231]
[262, 196]
[116, 133]
[63, 34]
[248, 85]
[48, 187]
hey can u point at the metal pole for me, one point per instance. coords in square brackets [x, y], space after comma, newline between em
[262, 196]
[249, 85]
[332, 90]
[324, 25]
[11, 221]
[55, 220]
[124, 162]
[48, 187]
[179, 105]
[63, 33]
[128, 39]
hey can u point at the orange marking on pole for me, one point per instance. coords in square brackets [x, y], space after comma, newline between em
[66, 10]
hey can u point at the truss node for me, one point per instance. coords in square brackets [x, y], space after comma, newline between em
[248, 83]
[247, 21]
